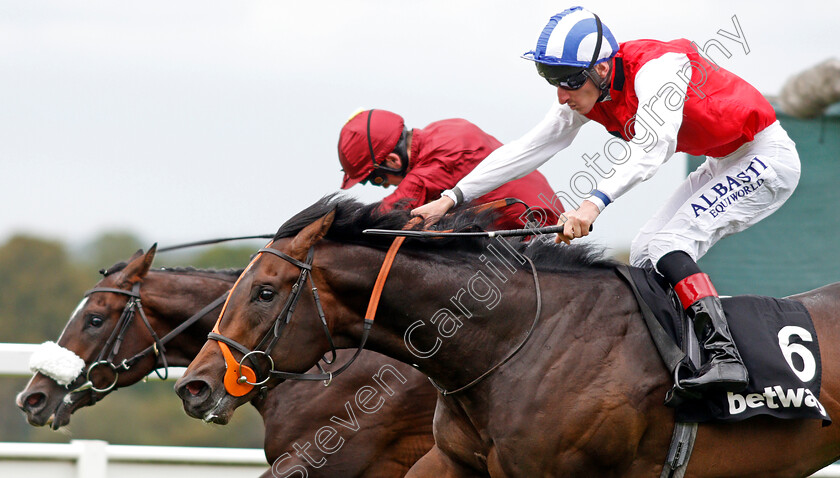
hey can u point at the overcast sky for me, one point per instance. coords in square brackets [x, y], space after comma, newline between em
[186, 120]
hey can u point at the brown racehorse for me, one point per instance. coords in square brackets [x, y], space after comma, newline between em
[384, 444]
[582, 397]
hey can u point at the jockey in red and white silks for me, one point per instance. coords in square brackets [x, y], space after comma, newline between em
[657, 98]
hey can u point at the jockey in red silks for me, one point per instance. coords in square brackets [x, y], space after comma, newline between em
[657, 98]
[422, 163]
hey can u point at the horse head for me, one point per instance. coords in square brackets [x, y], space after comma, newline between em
[114, 338]
[55, 391]
[255, 324]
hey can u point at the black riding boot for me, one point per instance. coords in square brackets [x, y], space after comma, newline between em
[722, 367]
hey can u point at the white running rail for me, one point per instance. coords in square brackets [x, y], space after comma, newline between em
[98, 459]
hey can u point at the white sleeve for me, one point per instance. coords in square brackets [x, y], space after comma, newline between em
[518, 158]
[661, 96]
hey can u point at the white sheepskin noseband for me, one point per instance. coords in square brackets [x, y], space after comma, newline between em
[56, 362]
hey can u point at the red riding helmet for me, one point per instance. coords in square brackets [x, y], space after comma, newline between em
[369, 130]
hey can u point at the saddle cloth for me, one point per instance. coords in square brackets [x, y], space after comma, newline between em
[776, 339]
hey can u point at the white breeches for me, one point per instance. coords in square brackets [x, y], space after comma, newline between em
[723, 196]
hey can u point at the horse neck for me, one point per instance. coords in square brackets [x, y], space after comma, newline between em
[435, 311]
[170, 298]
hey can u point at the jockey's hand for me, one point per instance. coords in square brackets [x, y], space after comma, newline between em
[577, 222]
[432, 212]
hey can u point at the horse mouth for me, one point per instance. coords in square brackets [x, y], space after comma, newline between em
[213, 418]
[61, 415]
[65, 409]
[220, 413]
[38, 419]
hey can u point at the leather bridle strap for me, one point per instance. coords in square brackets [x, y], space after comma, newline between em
[130, 293]
[111, 347]
[243, 379]
[370, 314]
[303, 265]
[289, 309]
[268, 341]
[158, 347]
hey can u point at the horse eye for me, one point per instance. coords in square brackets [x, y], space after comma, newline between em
[265, 295]
[96, 321]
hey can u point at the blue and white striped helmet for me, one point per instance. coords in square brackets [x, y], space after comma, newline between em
[570, 39]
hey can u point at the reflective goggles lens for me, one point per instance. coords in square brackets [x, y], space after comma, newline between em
[573, 82]
[375, 179]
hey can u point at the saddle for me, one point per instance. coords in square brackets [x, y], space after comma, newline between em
[776, 339]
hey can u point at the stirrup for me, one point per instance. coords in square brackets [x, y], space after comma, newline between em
[678, 395]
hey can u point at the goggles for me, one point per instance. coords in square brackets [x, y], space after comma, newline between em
[575, 81]
[376, 178]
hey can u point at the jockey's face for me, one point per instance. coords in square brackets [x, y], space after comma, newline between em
[584, 98]
[581, 100]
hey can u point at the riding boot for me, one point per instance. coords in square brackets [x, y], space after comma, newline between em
[722, 368]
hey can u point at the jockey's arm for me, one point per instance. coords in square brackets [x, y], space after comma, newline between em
[511, 161]
[657, 121]
[656, 124]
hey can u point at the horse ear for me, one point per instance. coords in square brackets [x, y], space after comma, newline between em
[138, 266]
[310, 235]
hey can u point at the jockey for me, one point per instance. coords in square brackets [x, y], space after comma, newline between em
[424, 162]
[659, 98]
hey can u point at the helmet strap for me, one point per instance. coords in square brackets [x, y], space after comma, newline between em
[377, 176]
[602, 83]
[597, 51]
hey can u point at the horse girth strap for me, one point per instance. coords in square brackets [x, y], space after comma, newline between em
[240, 379]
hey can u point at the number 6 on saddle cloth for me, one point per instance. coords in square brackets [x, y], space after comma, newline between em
[776, 339]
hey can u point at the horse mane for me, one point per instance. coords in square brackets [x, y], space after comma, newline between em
[113, 269]
[352, 217]
[178, 270]
[193, 270]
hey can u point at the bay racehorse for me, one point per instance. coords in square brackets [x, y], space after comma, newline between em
[385, 444]
[582, 397]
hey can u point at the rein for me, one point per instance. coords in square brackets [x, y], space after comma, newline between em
[240, 379]
[512, 352]
[213, 241]
[112, 345]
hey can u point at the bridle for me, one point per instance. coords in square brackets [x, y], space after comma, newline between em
[240, 379]
[112, 346]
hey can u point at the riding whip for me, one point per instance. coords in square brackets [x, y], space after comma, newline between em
[503, 233]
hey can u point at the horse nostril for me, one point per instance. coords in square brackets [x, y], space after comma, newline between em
[34, 400]
[196, 387]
